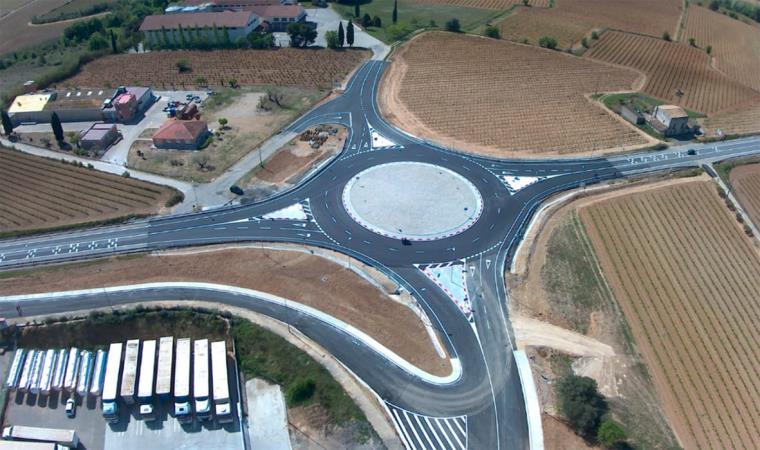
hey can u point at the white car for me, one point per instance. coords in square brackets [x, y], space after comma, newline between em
[71, 408]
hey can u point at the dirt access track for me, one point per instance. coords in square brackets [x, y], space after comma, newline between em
[295, 275]
[503, 99]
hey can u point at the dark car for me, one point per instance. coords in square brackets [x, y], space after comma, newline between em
[405, 241]
[235, 189]
[691, 152]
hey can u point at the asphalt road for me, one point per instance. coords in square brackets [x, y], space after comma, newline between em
[486, 402]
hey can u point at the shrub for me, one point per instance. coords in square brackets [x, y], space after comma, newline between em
[453, 26]
[594, 35]
[708, 49]
[692, 42]
[301, 391]
[331, 37]
[714, 5]
[492, 32]
[584, 42]
[397, 31]
[666, 36]
[581, 403]
[610, 433]
[183, 65]
[376, 22]
[547, 42]
[366, 20]
[176, 198]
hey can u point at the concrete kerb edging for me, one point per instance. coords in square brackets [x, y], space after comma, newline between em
[456, 367]
[532, 406]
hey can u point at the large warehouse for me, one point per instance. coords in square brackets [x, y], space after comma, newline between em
[123, 105]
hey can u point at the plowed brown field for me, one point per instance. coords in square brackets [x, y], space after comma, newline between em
[483, 4]
[282, 67]
[15, 30]
[743, 120]
[499, 98]
[38, 193]
[570, 20]
[735, 45]
[671, 66]
[687, 278]
[745, 182]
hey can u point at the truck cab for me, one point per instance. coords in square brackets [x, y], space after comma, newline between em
[147, 412]
[111, 412]
[203, 408]
[182, 412]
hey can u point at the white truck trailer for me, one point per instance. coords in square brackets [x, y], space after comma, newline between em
[220, 382]
[98, 373]
[14, 374]
[47, 371]
[111, 383]
[72, 370]
[60, 369]
[147, 377]
[18, 445]
[56, 435]
[85, 373]
[182, 382]
[164, 368]
[26, 372]
[200, 380]
[34, 379]
[129, 375]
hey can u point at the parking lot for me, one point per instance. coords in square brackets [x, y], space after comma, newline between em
[48, 411]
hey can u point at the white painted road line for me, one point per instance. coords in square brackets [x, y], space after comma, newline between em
[421, 432]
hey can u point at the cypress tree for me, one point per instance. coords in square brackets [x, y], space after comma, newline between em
[356, 8]
[350, 34]
[395, 11]
[55, 123]
[7, 124]
[113, 43]
[341, 35]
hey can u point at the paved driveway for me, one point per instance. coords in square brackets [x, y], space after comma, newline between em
[327, 19]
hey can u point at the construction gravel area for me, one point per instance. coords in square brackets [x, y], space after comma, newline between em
[295, 275]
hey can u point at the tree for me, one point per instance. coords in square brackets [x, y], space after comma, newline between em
[492, 32]
[594, 35]
[708, 49]
[183, 65]
[714, 5]
[331, 37]
[584, 42]
[394, 16]
[55, 124]
[350, 34]
[526, 2]
[301, 34]
[201, 81]
[223, 122]
[356, 8]
[7, 124]
[97, 42]
[581, 403]
[547, 42]
[233, 82]
[666, 36]
[692, 42]
[341, 35]
[376, 22]
[453, 26]
[366, 20]
[113, 43]
[610, 433]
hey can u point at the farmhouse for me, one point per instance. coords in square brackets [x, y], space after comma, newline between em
[181, 135]
[173, 28]
[226, 5]
[277, 17]
[81, 105]
[98, 137]
[670, 120]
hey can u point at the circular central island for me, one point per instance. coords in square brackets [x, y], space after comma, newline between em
[412, 200]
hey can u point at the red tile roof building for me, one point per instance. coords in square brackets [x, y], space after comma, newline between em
[181, 134]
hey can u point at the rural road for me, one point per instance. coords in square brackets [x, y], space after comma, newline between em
[484, 408]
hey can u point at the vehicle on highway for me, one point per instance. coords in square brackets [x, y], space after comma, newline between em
[691, 152]
[235, 189]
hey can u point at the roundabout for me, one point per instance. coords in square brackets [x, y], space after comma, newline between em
[412, 200]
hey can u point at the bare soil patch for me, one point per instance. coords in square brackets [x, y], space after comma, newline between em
[16, 31]
[686, 278]
[670, 66]
[38, 193]
[281, 67]
[298, 276]
[570, 20]
[558, 436]
[503, 99]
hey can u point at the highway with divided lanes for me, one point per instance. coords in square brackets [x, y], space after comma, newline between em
[481, 409]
